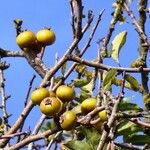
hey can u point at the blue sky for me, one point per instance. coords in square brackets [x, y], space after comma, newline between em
[37, 14]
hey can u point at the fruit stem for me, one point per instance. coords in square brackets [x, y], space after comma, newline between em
[42, 52]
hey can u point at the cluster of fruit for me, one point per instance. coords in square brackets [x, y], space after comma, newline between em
[52, 104]
[29, 40]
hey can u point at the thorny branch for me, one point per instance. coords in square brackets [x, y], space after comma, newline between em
[47, 73]
[18, 123]
[112, 117]
[26, 100]
[4, 99]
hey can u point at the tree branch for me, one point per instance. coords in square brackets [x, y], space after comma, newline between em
[3, 65]
[105, 67]
[7, 53]
[18, 123]
[33, 138]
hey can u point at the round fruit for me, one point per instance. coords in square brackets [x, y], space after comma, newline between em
[103, 115]
[88, 105]
[68, 120]
[26, 39]
[65, 93]
[50, 106]
[45, 37]
[52, 94]
[38, 95]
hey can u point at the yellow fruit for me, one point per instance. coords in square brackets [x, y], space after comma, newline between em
[88, 105]
[26, 39]
[38, 95]
[65, 93]
[102, 115]
[68, 120]
[45, 37]
[50, 106]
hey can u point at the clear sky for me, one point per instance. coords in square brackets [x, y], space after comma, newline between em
[37, 14]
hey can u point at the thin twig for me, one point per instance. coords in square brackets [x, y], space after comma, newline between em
[26, 99]
[86, 119]
[105, 67]
[112, 118]
[18, 123]
[128, 146]
[73, 17]
[7, 53]
[138, 28]
[29, 90]
[83, 50]
[51, 72]
[3, 65]
[33, 138]
[4, 107]
[140, 123]
[36, 129]
[79, 19]
[13, 135]
[52, 140]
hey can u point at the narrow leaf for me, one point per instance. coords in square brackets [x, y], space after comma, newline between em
[117, 44]
[133, 83]
[125, 106]
[88, 87]
[77, 109]
[92, 136]
[81, 82]
[109, 77]
[84, 94]
[78, 145]
[127, 128]
[138, 139]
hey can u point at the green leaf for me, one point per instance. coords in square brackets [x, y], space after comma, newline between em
[43, 129]
[77, 109]
[84, 94]
[49, 125]
[78, 145]
[117, 44]
[88, 87]
[80, 68]
[125, 106]
[63, 68]
[127, 128]
[132, 82]
[92, 137]
[109, 77]
[81, 82]
[57, 79]
[138, 139]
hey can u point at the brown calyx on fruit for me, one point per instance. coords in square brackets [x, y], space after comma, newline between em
[48, 101]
